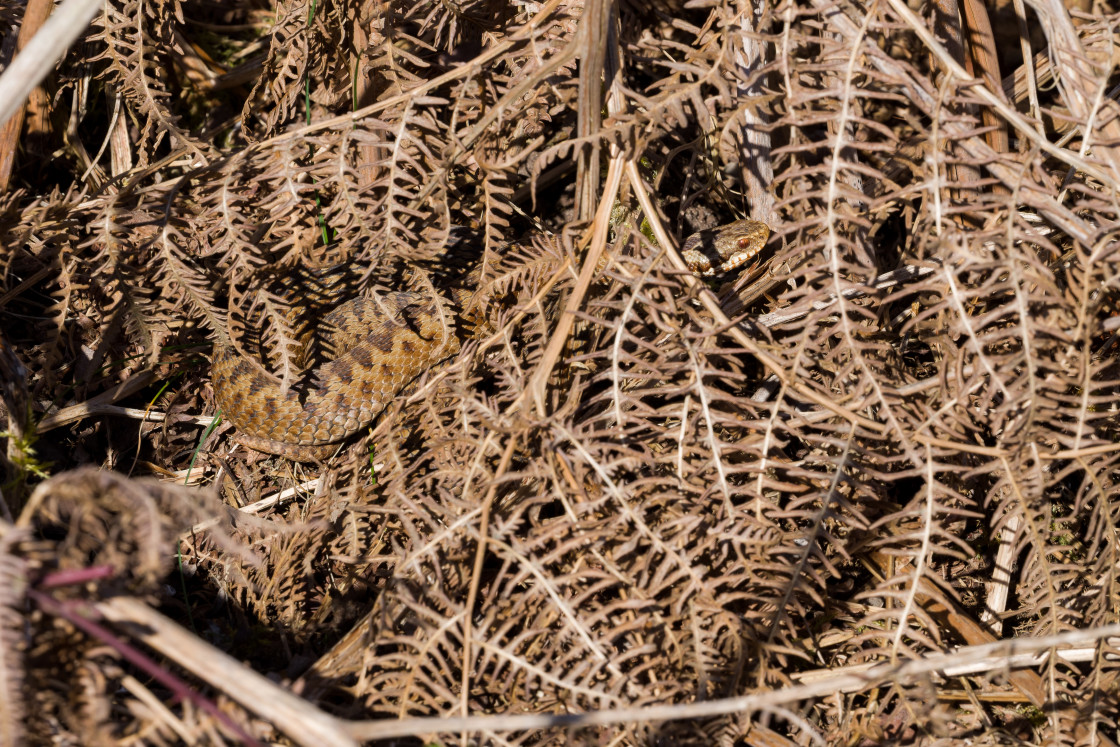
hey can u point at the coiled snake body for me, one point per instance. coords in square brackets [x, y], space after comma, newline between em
[385, 343]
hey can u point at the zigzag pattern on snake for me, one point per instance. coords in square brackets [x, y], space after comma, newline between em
[387, 342]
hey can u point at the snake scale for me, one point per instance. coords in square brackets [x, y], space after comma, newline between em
[387, 341]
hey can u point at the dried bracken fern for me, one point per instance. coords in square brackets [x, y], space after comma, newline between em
[629, 488]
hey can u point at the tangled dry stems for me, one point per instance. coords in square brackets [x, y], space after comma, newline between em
[635, 490]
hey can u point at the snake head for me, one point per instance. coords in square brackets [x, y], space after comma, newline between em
[725, 248]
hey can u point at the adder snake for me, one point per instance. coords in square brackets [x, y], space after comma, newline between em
[388, 341]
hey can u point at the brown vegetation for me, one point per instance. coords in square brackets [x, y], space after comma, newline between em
[775, 500]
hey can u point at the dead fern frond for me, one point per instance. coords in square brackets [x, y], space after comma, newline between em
[628, 487]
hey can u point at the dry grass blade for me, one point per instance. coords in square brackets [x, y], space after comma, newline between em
[37, 56]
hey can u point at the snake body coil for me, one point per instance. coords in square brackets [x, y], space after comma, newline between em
[382, 344]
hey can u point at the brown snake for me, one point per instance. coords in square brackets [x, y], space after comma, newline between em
[389, 340]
